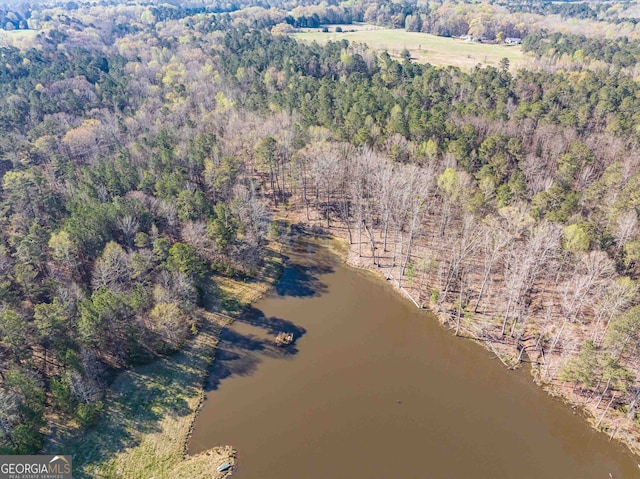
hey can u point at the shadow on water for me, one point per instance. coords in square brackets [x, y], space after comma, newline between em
[239, 354]
[272, 325]
[301, 280]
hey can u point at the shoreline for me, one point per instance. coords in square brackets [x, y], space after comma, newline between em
[611, 425]
[246, 295]
[156, 464]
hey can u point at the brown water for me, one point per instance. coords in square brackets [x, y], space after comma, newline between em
[373, 388]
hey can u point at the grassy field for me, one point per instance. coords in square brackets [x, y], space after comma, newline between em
[425, 48]
[149, 410]
[17, 37]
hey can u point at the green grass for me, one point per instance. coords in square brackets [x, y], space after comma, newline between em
[425, 48]
[20, 33]
[17, 37]
[150, 409]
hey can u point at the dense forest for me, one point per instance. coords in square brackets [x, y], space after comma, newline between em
[144, 148]
[620, 53]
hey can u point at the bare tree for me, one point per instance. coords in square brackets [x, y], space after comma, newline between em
[175, 287]
[112, 269]
[627, 228]
[360, 190]
[129, 226]
[591, 271]
[387, 197]
[617, 296]
[493, 241]
[464, 246]
[525, 260]
[420, 184]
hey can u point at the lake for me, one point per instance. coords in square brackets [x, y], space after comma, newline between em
[374, 388]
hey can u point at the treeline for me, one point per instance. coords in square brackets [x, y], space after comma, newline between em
[421, 112]
[619, 52]
[564, 9]
[85, 81]
[14, 17]
[445, 19]
[604, 12]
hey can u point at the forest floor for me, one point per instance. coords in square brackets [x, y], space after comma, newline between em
[150, 410]
[423, 47]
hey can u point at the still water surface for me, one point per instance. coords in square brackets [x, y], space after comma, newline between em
[373, 388]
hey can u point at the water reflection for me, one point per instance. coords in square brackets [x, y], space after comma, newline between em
[240, 353]
[302, 280]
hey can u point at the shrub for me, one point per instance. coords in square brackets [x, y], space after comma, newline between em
[87, 414]
[434, 295]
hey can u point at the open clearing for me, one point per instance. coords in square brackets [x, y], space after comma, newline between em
[424, 48]
[17, 37]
